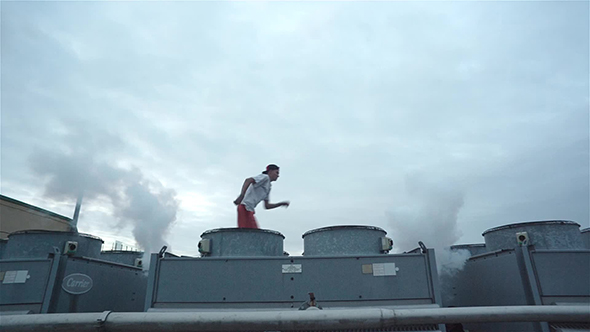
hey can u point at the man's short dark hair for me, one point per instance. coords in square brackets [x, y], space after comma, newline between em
[270, 167]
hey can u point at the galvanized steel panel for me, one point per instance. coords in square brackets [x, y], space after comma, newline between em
[343, 278]
[38, 244]
[343, 241]
[29, 291]
[493, 279]
[550, 234]
[563, 273]
[212, 280]
[244, 242]
[115, 287]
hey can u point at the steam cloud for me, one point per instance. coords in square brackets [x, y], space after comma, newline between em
[147, 206]
[430, 216]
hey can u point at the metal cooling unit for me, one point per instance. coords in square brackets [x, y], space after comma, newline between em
[61, 272]
[342, 267]
[541, 263]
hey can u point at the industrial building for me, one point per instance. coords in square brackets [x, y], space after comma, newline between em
[19, 216]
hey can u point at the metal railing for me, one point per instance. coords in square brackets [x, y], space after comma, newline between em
[295, 320]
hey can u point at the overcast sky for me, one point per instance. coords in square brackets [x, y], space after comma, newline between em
[432, 120]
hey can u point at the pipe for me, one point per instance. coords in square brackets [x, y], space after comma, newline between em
[358, 318]
[77, 211]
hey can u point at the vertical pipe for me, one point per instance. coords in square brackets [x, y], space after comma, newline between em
[77, 212]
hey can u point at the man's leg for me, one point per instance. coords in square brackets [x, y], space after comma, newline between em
[246, 218]
[252, 220]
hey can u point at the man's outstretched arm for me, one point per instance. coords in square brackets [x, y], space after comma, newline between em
[245, 186]
[269, 206]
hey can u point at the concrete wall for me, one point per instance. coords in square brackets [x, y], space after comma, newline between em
[17, 216]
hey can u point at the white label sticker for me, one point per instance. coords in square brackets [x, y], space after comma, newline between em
[16, 277]
[21, 277]
[292, 268]
[385, 269]
[9, 277]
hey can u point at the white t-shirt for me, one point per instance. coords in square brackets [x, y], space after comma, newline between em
[258, 191]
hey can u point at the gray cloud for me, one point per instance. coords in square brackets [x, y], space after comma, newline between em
[347, 97]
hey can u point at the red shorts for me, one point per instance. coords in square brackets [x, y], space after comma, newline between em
[246, 218]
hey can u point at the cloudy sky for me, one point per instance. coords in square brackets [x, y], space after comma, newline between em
[432, 120]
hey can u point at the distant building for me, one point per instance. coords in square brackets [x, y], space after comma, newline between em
[18, 216]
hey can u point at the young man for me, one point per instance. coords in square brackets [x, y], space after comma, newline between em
[254, 190]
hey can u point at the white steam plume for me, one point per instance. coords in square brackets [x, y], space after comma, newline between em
[430, 215]
[145, 205]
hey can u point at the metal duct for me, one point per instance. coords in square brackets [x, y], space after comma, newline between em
[550, 234]
[343, 241]
[241, 242]
[38, 243]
